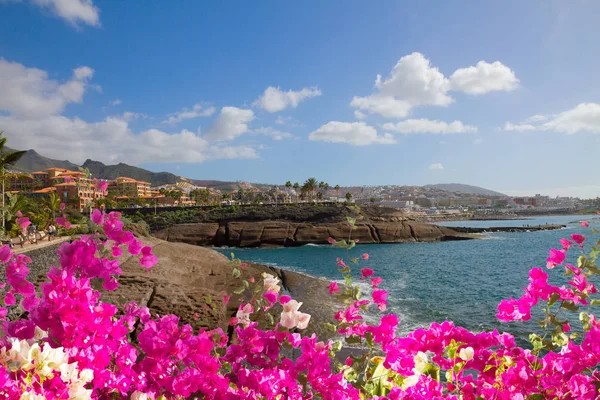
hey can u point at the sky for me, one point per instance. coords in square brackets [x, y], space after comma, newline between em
[503, 95]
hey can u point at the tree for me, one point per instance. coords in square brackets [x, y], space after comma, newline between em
[52, 204]
[288, 184]
[372, 200]
[296, 187]
[337, 190]
[348, 196]
[311, 185]
[7, 158]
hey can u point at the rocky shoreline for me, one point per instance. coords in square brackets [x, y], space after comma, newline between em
[289, 234]
[190, 282]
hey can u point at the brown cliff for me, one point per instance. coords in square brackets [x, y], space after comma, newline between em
[286, 233]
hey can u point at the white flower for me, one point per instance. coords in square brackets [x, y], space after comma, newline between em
[243, 315]
[140, 396]
[466, 354]
[303, 320]
[410, 381]
[291, 306]
[271, 283]
[421, 362]
[292, 318]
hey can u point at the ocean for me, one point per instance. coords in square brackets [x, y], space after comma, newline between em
[461, 281]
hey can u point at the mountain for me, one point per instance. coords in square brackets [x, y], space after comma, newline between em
[102, 171]
[459, 187]
[33, 161]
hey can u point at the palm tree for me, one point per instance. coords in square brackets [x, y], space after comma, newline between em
[52, 204]
[348, 196]
[337, 190]
[311, 185]
[6, 159]
[296, 187]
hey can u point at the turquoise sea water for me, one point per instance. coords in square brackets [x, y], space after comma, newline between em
[462, 281]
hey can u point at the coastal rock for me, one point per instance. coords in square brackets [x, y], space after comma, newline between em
[284, 233]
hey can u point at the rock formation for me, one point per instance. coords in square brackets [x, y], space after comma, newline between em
[285, 233]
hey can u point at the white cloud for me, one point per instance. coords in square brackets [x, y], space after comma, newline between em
[359, 114]
[27, 92]
[73, 11]
[424, 126]
[131, 116]
[231, 123]
[116, 102]
[198, 110]
[354, 133]
[112, 140]
[535, 118]
[436, 166]
[518, 127]
[273, 133]
[585, 117]
[274, 99]
[484, 78]
[415, 82]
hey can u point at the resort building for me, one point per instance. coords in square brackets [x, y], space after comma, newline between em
[130, 188]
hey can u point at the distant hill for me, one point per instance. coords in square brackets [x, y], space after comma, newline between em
[459, 187]
[33, 161]
[102, 171]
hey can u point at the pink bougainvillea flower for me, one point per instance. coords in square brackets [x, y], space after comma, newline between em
[62, 206]
[566, 328]
[565, 243]
[376, 281]
[23, 222]
[379, 298]
[284, 299]
[62, 221]
[340, 263]
[243, 265]
[135, 247]
[365, 256]
[556, 258]
[579, 239]
[334, 288]
[366, 272]
[98, 217]
[585, 224]
[116, 251]
[19, 214]
[67, 179]
[226, 299]
[5, 254]
[271, 297]
[102, 186]
[331, 240]
[148, 259]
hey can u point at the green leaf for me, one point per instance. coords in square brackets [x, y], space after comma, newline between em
[353, 339]
[246, 284]
[351, 245]
[351, 220]
[232, 256]
[330, 326]
[240, 290]
[569, 305]
[580, 261]
[236, 273]
[595, 302]
[553, 299]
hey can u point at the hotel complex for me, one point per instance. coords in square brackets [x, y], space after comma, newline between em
[76, 186]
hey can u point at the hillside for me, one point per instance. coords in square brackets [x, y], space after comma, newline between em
[459, 187]
[33, 161]
[102, 171]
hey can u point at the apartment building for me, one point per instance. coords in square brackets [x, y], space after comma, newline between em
[129, 187]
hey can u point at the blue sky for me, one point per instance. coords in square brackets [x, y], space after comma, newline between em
[498, 94]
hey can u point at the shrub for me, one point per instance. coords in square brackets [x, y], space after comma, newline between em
[71, 344]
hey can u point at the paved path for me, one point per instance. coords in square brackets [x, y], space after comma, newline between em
[39, 245]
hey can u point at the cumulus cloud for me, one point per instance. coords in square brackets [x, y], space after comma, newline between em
[354, 133]
[425, 126]
[359, 114]
[484, 78]
[272, 133]
[72, 11]
[585, 117]
[116, 102]
[436, 166]
[27, 92]
[198, 110]
[231, 123]
[274, 99]
[112, 140]
[415, 82]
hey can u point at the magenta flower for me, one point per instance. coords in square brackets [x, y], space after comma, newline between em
[585, 224]
[565, 243]
[340, 263]
[331, 240]
[334, 288]
[366, 272]
[556, 258]
[284, 299]
[226, 299]
[62, 206]
[62, 221]
[365, 256]
[102, 186]
[271, 297]
[97, 217]
[5, 254]
[148, 259]
[379, 298]
[579, 239]
[376, 281]
[23, 222]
